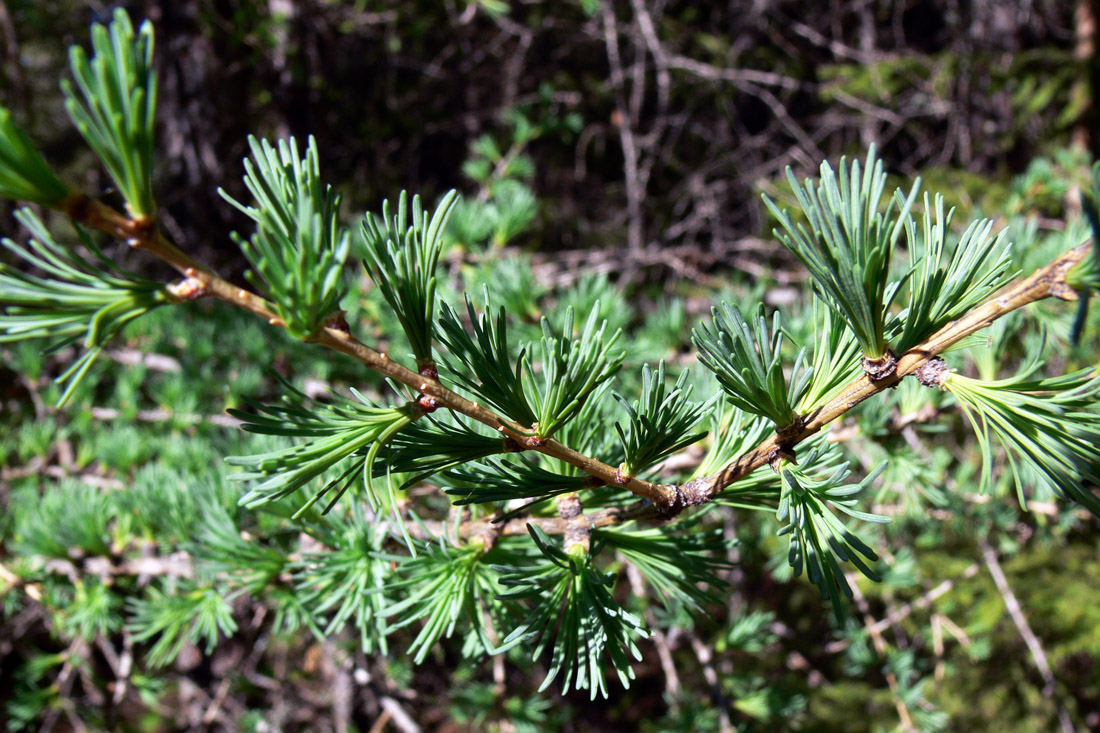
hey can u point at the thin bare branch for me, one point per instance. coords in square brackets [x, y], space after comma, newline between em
[904, 611]
[879, 642]
[1016, 612]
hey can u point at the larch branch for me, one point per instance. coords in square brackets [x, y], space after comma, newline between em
[145, 236]
[658, 500]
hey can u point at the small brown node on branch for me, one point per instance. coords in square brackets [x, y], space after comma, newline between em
[932, 373]
[621, 478]
[534, 441]
[141, 232]
[337, 322]
[693, 493]
[683, 496]
[143, 229]
[569, 506]
[781, 455]
[189, 288]
[882, 367]
[789, 433]
[427, 368]
[674, 506]
[427, 403]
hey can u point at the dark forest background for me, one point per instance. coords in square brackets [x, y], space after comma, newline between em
[646, 131]
[651, 125]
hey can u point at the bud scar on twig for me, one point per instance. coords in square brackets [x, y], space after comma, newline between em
[189, 288]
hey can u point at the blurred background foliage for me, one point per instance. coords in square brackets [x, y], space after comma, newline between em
[640, 125]
[609, 151]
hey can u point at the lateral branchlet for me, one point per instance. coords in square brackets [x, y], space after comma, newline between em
[577, 535]
[932, 373]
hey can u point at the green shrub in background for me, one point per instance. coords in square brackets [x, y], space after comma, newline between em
[507, 480]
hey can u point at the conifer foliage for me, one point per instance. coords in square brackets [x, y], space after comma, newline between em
[536, 503]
